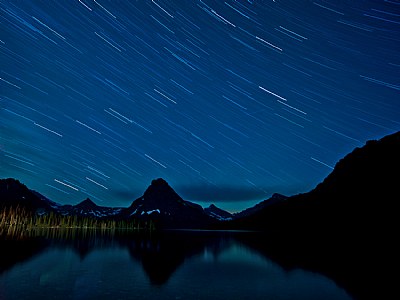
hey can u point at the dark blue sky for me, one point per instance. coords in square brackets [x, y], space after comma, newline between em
[229, 101]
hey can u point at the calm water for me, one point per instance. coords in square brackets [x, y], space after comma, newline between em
[175, 265]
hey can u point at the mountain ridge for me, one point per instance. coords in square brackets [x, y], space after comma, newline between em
[159, 203]
[162, 202]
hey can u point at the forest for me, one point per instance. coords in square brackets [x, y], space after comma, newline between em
[17, 219]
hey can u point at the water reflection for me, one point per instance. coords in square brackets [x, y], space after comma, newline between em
[169, 265]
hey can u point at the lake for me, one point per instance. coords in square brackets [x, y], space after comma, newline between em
[168, 265]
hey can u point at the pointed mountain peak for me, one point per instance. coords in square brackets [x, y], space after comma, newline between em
[160, 188]
[158, 194]
[87, 203]
[159, 182]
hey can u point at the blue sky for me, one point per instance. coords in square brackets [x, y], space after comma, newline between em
[229, 101]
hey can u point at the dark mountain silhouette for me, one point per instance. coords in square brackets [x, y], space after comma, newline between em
[13, 193]
[275, 198]
[358, 196]
[87, 204]
[218, 213]
[162, 204]
[346, 226]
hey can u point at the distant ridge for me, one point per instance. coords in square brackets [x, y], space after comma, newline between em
[86, 204]
[159, 203]
[87, 208]
[218, 213]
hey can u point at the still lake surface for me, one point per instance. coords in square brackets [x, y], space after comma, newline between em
[170, 265]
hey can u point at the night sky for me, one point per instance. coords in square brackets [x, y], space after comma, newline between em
[229, 101]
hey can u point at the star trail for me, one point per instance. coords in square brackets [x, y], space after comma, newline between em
[229, 101]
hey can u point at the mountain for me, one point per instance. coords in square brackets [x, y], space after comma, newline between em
[218, 213]
[358, 196]
[159, 203]
[275, 198]
[162, 204]
[87, 208]
[346, 227]
[14, 193]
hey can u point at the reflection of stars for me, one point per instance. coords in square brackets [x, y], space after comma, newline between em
[264, 97]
